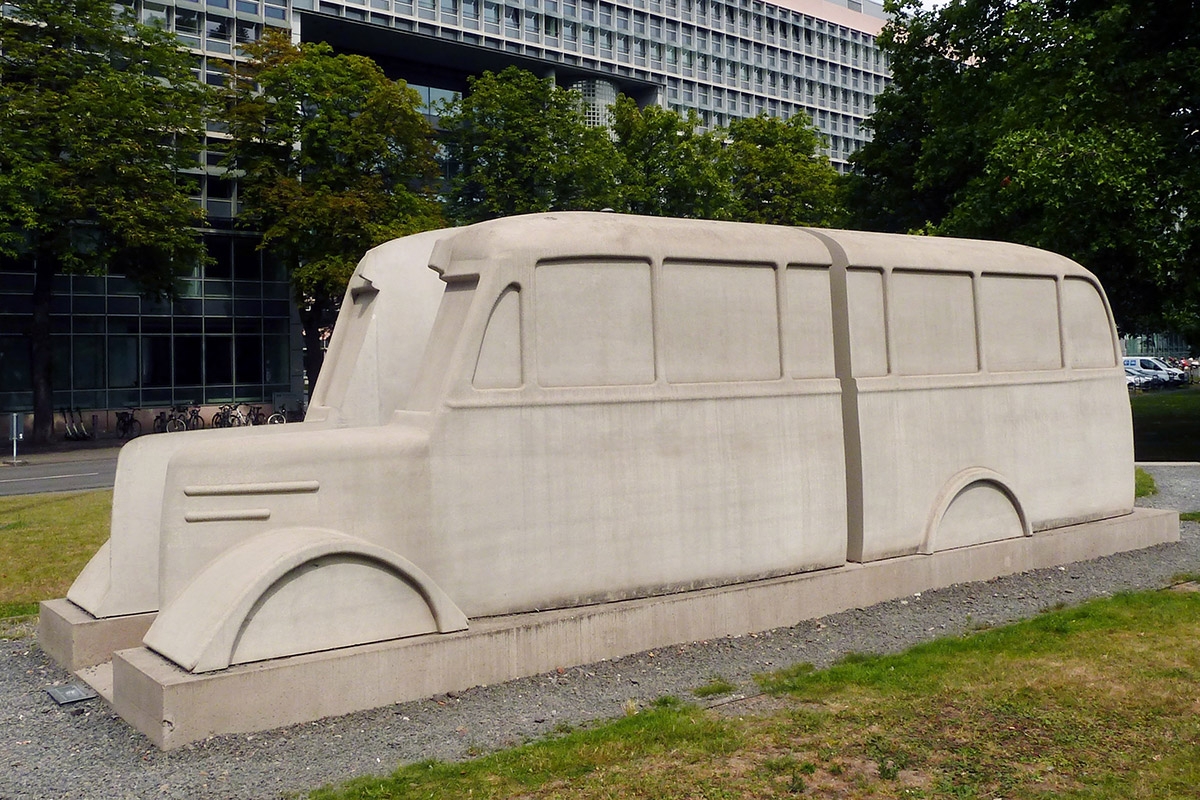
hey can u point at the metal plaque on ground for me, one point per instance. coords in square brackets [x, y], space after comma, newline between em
[70, 693]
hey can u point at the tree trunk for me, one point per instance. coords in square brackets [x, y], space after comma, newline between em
[41, 347]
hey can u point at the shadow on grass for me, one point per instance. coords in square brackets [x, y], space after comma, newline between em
[1166, 425]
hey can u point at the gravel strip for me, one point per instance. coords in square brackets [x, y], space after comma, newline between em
[85, 751]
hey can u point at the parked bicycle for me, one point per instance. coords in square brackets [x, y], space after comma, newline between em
[285, 414]
[165, 421]
[193, 420]
[222, 416]
[177, 419]
[128, 426]
[254, 415]
[170, 421]
[232, 416]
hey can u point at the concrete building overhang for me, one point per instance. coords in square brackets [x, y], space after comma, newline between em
[444, 63]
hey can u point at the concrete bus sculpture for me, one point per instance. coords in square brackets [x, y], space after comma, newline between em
[576, 420]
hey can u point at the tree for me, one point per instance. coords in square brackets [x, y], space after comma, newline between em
[1070, 125]
[97, 115]
[762, 169]
[332, 158]
[779, 174]
[520, 144]
[669, 168]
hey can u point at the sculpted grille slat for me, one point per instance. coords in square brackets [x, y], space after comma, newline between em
[239, 515]
[237, 489]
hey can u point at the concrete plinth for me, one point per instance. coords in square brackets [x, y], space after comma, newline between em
[173, 707]
[75, 639]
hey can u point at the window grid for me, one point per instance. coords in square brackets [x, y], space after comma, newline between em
[758, 55]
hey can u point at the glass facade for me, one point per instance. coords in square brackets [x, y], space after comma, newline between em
[228, 337]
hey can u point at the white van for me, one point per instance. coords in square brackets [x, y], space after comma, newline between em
[1156, 368]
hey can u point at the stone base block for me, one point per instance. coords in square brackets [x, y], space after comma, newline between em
[75, 639]
[173, 707]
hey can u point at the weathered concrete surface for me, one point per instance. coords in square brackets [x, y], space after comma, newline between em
[559, 410]
[76, 639]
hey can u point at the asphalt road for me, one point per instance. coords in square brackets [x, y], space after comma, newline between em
[58, 476]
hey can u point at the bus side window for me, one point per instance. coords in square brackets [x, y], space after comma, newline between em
[809, 323]
[1086, 325]
[868, 324]
[594, 325]
[934, 318]
[720, 322]
[1020, 323]
[499, 364]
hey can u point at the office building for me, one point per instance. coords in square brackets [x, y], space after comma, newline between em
[232, 335]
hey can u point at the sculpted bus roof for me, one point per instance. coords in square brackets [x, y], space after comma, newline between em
[897, 251]
[468, 251]
[580, 234]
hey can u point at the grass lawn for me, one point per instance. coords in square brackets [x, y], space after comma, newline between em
[45, 540]
[1094, 702]
[1166, 425]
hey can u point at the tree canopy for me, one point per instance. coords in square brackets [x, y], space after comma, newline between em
[332, 158]
[669, 167]
[97, 116]
[1069, 125]
[779, 175]
[521, 144]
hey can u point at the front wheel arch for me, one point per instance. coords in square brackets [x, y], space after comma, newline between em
[203, 627]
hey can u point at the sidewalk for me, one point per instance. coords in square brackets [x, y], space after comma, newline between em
[59, 451]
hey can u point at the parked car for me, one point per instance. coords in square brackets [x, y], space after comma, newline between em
[1136, 379]
[1156, 366]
